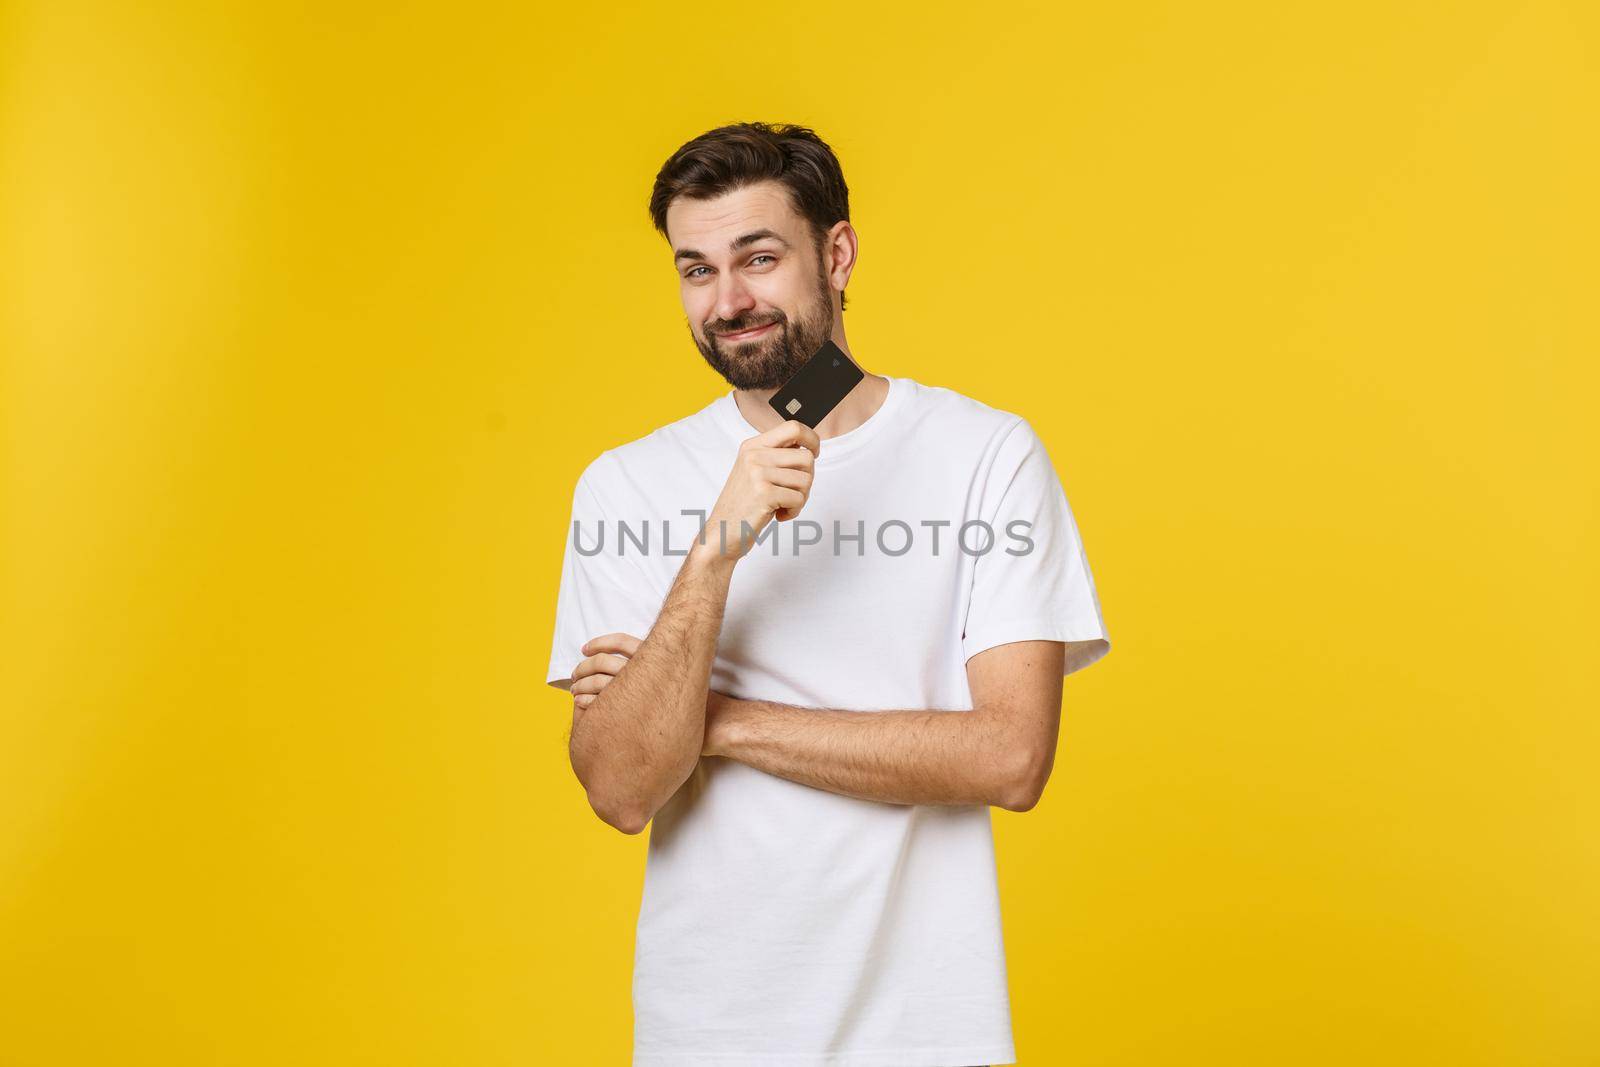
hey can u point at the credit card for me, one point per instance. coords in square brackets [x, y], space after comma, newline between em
[817, 387]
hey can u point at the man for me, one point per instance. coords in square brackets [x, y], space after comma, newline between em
[811, 660]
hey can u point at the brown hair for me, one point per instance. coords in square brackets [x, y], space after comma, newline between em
[731, 157]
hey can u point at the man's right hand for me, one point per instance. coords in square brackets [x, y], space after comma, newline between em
[771, 478]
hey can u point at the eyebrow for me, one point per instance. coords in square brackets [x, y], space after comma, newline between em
[736, 244]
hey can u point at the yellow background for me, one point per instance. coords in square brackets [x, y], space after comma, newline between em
[311, 317]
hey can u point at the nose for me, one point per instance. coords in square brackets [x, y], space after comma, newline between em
[734, 300]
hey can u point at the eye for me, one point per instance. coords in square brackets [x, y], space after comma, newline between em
[691, 273]
[763, 256]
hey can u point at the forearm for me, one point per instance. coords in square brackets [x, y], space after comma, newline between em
[913, 756]
[641, 737]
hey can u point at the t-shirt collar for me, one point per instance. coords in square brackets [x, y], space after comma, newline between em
[733, 421]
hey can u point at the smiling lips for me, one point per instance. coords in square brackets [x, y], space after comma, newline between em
[740, 336]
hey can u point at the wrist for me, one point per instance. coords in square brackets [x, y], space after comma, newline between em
[719, 740]
[710, 559]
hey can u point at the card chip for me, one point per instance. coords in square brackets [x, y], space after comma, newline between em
[792, 406]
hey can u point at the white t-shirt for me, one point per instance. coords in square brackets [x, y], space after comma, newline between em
[783, 925]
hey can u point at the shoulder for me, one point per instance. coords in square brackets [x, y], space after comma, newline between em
[630, 469]
[954, 416]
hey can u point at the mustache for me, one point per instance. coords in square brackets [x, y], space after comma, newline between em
[738, 327]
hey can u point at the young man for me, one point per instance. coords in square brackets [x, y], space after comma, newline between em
[811, 660]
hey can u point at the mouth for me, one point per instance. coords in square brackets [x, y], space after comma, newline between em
[745, 335]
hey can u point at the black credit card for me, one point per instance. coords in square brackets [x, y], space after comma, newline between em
[817, 388]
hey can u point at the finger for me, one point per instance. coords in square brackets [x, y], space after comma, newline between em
[785, 499]
[786, 457]
[590, 685]
[624, 643]
[583, 700]
[603, 663]
[792, 432]
[788, 476]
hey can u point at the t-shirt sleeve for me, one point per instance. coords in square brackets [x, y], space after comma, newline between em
[601, 590]
[1033, 583]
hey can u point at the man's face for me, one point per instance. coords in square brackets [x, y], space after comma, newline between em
[774, 279]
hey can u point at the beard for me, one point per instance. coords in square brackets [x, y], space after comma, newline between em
[766, 362]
